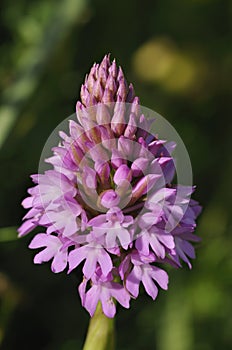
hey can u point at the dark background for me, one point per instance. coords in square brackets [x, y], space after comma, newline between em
[178, 54]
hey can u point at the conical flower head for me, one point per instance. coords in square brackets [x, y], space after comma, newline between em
[109, 200]
[106, 84]
[118, 106]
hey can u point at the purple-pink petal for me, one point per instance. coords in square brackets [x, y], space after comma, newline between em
[149, 286]
[75, 257]
[108, 305]
[160, 276]
[91, 299]
[133, 281]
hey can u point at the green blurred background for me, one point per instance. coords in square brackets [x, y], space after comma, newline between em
[178, 54]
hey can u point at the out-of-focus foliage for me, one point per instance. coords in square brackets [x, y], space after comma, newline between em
[178, 55]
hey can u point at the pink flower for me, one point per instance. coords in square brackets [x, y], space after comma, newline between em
[105, 291]
[110, 203]
[114, 227]
[54, 249]
[94, 255]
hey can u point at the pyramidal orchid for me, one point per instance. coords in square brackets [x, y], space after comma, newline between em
[109, 204]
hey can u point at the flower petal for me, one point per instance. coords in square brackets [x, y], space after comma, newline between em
[149, 286]
[90, 263]
[133, 281]
[44, 256]
[26, 227]
[108, 305]
[160, 276]
[120, 294]
[91, 299]
[76, 256]
[60, 260]
[105, 261]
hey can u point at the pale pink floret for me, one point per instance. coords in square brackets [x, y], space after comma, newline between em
[54, 249]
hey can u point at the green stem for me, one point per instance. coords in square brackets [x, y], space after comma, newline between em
[100, 334]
